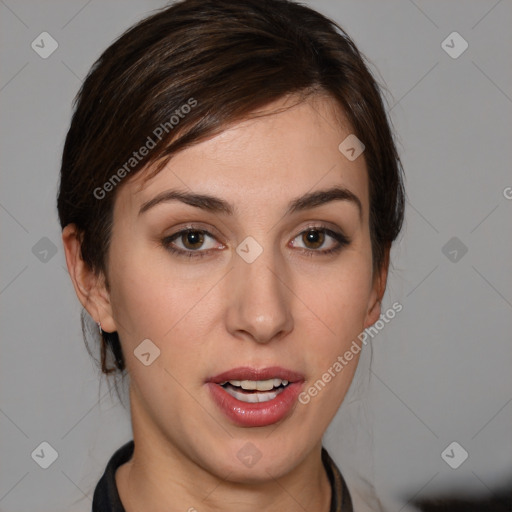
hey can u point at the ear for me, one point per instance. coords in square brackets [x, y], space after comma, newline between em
[90, 288]
[378, 288]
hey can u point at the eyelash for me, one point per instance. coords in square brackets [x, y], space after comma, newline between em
[339, 237]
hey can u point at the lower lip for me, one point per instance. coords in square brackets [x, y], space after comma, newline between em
[257, 414]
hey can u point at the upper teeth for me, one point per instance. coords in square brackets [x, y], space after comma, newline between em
[260, 385]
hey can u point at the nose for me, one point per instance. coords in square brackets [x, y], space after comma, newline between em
[259, 299]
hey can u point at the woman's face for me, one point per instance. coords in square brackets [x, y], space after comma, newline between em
[266, 278]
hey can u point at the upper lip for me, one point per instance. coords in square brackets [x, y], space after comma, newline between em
[248, 373]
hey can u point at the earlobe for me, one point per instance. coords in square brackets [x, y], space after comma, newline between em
[89, 287]
[373, 313]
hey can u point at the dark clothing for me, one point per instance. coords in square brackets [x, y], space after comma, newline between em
[499, 502]
[106, 497]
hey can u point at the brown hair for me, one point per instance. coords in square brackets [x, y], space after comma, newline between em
[181, 75]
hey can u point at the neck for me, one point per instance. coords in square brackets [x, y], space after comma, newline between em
[161, 477]
[162, 483]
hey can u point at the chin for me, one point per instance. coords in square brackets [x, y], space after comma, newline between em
[240, 461]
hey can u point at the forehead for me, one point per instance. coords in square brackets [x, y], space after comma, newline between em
[289, 151]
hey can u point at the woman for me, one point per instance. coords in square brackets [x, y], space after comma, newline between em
[229, 194]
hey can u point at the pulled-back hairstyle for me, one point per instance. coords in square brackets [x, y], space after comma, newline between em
[181, 76]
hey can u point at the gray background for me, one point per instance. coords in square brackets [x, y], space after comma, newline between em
[441, 368]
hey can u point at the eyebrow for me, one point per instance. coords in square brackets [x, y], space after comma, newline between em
[217, 205]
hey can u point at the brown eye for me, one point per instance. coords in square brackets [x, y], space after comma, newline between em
[192, 239]
[320, 241]
[313, 238]
[191, 243]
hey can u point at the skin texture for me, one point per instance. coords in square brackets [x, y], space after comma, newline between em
[217, 312]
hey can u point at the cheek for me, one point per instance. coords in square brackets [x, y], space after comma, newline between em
[340, 295]
[336, 306]
[149, 294]
[154, 300]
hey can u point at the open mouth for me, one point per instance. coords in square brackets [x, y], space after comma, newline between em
[254, 391]
[256, 397]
